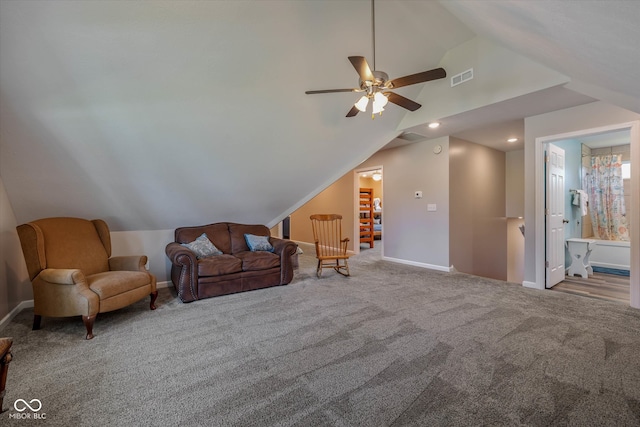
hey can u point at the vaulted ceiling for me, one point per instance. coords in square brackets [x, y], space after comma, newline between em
[154, 115]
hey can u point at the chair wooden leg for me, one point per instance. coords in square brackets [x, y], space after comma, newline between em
[153, 295]
[319, 268]
[88, 323]
[339, 268]
[36, 322]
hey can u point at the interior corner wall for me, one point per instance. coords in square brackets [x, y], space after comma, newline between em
[514, 185]
[478, 227]
[15, 286]
[515, 250]
[337, 198]
[583, 117]
[410, 232]
[145, 242]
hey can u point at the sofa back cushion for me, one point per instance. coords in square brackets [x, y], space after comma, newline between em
[217, 233]
[237, 232]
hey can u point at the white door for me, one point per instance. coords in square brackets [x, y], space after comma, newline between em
[555, 270]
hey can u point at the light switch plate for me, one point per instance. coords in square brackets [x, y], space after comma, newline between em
[418, 194]
[431, 207]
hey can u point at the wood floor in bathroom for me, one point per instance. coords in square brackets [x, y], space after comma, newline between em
[601, 286]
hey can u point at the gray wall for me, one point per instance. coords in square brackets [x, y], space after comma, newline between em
[15, 286]
[514, 185]
[478, 227]
[411, 233]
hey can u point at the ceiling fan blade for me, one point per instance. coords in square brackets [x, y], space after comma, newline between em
[354, 110]
[311, 92]
[425, 76]
[402, 101]
[361, 66]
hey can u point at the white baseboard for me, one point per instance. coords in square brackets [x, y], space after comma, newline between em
[532, 285]
[13, 313]
[610, 265]
[29, 304]
[420, 264]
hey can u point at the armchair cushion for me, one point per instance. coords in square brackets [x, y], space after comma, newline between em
[111, 283]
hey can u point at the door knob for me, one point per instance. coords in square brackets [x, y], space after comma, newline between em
[565, 221]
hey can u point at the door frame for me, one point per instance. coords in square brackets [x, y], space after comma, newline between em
[540, 233]
[356, 205]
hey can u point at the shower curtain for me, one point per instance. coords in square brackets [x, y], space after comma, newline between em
[606, 198]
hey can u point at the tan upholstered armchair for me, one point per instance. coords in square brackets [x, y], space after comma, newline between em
[72, 271]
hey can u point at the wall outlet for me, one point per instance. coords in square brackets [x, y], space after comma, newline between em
[431, 207]
[418, 195]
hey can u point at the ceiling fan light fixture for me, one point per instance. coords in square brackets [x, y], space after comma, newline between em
[362, 103]
[380, 99]
[377, 108]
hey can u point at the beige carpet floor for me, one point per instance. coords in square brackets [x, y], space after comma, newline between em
[392, 345]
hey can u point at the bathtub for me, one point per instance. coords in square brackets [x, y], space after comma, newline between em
[611, 254]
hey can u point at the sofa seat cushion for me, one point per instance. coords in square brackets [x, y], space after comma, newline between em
[219, 265]
[112, 283]
[261, 260]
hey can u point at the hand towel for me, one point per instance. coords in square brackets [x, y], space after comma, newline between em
[583, 202]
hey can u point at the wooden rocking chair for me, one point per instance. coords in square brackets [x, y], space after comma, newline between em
[330, 246]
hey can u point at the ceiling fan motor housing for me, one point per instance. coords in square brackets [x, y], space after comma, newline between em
[380, 79]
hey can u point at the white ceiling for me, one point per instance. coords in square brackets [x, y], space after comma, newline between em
[154, 115]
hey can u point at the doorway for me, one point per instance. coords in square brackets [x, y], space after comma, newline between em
[369, 205]
[540, 193]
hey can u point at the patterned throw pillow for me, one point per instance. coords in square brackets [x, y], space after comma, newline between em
[258, 243]
[203, 247]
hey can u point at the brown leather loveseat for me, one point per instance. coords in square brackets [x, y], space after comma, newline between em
[234, 267]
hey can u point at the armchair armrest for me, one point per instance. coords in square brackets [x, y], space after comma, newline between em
[128, 263]
[63, 276]
[67, 291]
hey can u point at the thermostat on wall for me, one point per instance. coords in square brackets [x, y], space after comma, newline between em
[437, 149]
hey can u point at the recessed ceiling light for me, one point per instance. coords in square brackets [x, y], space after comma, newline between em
[434, 125]
[512, 140]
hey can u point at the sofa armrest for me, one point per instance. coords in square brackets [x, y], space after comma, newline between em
[128, 263]
[179, 255]
[286, 249]
[184, 271]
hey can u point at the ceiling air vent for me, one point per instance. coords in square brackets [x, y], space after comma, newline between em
[462, 77]
[411, 136]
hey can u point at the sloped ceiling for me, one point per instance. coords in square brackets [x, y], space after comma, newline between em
[154, 115]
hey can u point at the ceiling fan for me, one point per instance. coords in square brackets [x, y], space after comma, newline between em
[376, 85]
